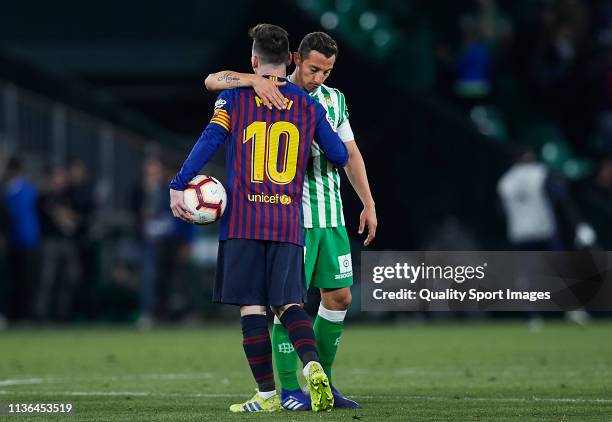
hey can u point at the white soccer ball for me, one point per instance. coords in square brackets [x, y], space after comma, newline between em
[206, 198]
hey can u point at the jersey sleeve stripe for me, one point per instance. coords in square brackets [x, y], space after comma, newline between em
[222, 117]
[221, 123]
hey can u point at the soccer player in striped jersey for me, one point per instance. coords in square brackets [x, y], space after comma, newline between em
[327, 259]
[261, 255]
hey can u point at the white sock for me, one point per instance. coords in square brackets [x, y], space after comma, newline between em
[333, 316]
[267, 394]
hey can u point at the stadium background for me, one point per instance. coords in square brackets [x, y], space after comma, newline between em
[117, 87]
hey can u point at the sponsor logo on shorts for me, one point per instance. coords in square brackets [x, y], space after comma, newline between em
[220, 103]
[346, 267]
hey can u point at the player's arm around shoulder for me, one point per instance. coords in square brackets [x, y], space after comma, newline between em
[265, 88]
[227, 79]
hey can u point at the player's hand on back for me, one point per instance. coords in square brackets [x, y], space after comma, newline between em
[368, 218]
[268, 91]
[178, 207]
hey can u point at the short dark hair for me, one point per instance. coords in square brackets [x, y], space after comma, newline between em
[318, 41]
[271, 43]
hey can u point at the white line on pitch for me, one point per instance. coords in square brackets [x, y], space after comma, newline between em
[113, 393]
[26, 381]
[165, 377]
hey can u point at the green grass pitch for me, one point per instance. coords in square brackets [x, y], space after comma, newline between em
[458, 372]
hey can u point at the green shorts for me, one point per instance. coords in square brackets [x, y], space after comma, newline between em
[327, 258]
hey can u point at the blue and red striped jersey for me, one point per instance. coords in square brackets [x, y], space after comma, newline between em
[267, 153]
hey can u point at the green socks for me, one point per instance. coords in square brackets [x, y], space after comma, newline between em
[285, 357]
[328, 328]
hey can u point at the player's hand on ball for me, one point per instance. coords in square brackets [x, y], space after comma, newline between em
[178, 207]
[269, 93]
[368, 218]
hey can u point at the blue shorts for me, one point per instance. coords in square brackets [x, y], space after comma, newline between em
[259, 272]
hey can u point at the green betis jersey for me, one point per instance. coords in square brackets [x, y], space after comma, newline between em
[321, 202]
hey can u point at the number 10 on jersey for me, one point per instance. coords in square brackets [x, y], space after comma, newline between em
[265, 151]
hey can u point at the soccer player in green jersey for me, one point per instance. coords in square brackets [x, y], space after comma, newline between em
[328, 263]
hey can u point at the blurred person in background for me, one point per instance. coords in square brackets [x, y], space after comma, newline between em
[536, 203]
[61, 267]
[525, 193]
[538, 207]
[468, 69]
[23, 239]
[484, 31]
[495, 26]
[150, 205]
[80, 192]
[473, 66]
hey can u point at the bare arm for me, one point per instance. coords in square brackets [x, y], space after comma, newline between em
[356, 173]
[228, 79]
[265, 88]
